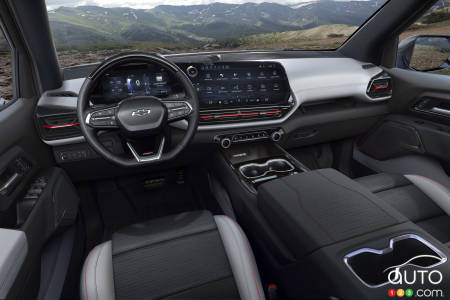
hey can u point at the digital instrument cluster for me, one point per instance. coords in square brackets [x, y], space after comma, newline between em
[137, 80]
[239, 84]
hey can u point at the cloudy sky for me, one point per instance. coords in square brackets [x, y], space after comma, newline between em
[52, 4]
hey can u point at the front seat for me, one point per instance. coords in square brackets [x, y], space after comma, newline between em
[192, 255]
[421, 199]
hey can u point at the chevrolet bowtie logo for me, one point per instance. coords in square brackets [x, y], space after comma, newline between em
[141, 112]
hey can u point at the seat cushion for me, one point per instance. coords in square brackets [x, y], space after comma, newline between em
[408, 198]
[187, 256]
[401, 194]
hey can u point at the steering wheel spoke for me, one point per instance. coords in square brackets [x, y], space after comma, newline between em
[102, 118]
[177, 110]
[149, 156]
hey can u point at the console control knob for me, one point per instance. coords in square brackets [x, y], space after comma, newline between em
[276, 135]
[225, 143]
[192, 71]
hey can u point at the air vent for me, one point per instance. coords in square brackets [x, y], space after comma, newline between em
[241, 115]
[63, 94]
[380, 87]
[59, 127]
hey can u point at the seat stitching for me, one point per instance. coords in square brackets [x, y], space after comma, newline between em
[85, 273]
[357, 192]
[324, 229]
[248, 254]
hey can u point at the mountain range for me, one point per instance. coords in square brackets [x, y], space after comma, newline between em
[84, 25]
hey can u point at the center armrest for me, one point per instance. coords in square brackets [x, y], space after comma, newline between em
[317, 208]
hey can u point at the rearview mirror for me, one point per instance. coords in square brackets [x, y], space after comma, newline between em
[428, 53]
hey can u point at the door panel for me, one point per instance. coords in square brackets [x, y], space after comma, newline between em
[410, 87]
[418, 125]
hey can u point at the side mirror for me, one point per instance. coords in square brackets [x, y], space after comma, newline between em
[426, 53]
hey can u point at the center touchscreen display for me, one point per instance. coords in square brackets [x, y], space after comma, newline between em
[239, 84]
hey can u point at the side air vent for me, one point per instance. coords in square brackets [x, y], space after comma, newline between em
[59, 127]
[63, 94]
[380, 87]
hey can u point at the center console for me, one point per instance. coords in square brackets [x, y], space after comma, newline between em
[321, 234]
[350, 236]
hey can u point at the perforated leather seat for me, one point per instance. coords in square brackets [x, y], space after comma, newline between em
[188, 256]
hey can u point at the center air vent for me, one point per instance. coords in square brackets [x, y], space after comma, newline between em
[380, 87]
[59, 127]
[241, 115]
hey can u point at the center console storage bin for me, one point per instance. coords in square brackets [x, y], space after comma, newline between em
[313, 209]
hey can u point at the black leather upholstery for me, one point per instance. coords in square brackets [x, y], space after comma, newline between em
[314, 209]
[408, 199]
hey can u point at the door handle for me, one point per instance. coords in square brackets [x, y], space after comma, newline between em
[441, 111]
[9, 182]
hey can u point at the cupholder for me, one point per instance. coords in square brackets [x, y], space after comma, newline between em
[255, 170]
[372, 266]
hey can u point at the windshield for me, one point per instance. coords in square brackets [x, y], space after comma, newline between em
[90, 30]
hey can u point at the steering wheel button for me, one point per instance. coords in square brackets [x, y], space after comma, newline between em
[109, 112]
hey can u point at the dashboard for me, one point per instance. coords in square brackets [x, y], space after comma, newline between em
[235, 93]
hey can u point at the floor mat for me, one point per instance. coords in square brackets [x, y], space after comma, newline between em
[150, 203]
[136, 199]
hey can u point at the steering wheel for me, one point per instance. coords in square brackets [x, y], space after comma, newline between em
[138, 117]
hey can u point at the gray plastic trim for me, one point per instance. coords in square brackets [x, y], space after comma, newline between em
[439, 193]
[13, 251]
[67, 141]
[241, 259]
